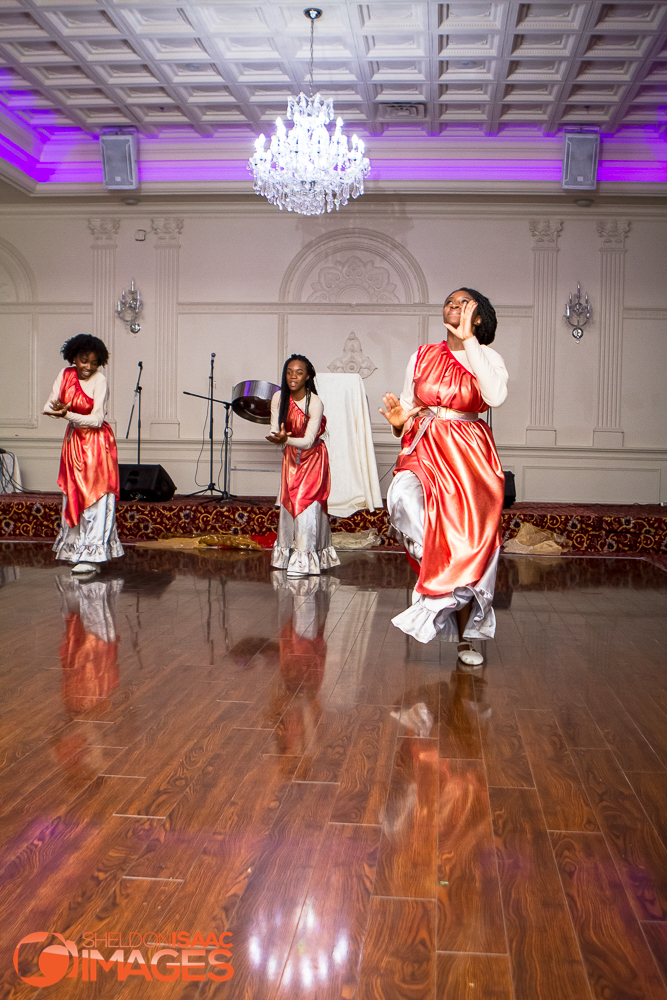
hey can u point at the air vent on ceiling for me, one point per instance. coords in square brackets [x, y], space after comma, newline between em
[404, 111]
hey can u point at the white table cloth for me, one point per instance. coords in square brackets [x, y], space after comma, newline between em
[354, 475]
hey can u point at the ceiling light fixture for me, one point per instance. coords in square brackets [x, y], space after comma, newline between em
[307, 170]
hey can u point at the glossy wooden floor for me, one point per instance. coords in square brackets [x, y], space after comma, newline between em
[195, 744]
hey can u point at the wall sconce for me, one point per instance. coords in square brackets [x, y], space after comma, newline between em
[129, 308]
[581, 312]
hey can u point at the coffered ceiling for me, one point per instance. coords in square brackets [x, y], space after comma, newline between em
[209, 67]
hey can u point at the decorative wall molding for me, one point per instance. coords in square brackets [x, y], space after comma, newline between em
[406, 277]
[353, 360]
[104, 230]
[334, 308]
[167, 230]
[167, 248]
[19, 279]
[545, 233]
[354, 276]
[612, 233]
[568, 466]
[30, 417]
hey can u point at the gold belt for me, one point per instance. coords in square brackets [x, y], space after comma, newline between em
[446, 413]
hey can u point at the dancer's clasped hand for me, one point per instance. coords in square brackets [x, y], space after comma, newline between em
[395, 413]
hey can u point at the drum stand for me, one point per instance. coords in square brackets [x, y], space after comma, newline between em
[212, 488]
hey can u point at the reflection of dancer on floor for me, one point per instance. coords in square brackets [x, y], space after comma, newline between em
[446, 497]
[303, 546]
[88, 463]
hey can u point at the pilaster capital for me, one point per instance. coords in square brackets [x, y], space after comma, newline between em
[545, 233]
[104, 229]
[167, 229]
[612, 233]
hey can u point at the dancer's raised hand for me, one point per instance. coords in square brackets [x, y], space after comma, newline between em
[395, 413]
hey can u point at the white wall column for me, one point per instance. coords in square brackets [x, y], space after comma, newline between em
[167, 247]
[608, 432]
[105, 230]
[541, 429]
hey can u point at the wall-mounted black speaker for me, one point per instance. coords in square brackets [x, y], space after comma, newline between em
[580, 161]
[145, 482]
[119, 161]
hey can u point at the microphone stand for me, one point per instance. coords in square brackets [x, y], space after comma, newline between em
[137, 397]
[224, 493]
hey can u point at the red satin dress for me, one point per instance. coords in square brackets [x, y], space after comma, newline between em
[88, 461]
[460, 473]
[306, 478]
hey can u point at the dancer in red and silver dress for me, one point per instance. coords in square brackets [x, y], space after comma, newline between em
[88, 463]
[303, 546]
[446, 497]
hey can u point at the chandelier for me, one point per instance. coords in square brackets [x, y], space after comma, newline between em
[307, 170]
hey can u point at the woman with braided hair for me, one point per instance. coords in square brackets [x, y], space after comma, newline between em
[446, 497]
[303, 546]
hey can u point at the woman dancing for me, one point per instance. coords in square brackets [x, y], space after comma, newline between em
[446, 497]
[303, 546]
[88, 462]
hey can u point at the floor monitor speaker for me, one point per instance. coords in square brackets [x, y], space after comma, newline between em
[510, 490]
[119, 162]
[145, 482]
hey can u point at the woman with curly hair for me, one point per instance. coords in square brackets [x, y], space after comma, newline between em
[446, 498]
[303, 546]
[88, 462]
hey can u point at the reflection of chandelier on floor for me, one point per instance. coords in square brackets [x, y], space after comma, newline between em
[306, 170]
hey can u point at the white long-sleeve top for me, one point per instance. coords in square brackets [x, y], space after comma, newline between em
[96, 387]
[485, 364]
[315, 414]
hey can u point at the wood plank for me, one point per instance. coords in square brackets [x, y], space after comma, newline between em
[407, 862]
[502, 747]
[656, 935]
[472, 977]
[52, 798]
[469, 911]
[329, 937]
[398, 960]
[365, 777]
[640, 856]
[175, 847]
[544, 955]
[620, 732]
[172, 759]
[327, 751]
[617, 958]
[578, 726]
[459, 727]
[559, 787]
[651, 790]
[268, 912]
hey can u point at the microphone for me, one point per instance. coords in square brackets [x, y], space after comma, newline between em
[213, 355]
[141, 365]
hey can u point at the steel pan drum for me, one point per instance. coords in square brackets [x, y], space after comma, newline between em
[252, 400]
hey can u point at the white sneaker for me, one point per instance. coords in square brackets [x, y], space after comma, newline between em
[83, 568]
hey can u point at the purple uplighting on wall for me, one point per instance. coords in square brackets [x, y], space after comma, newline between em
[74, 161]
